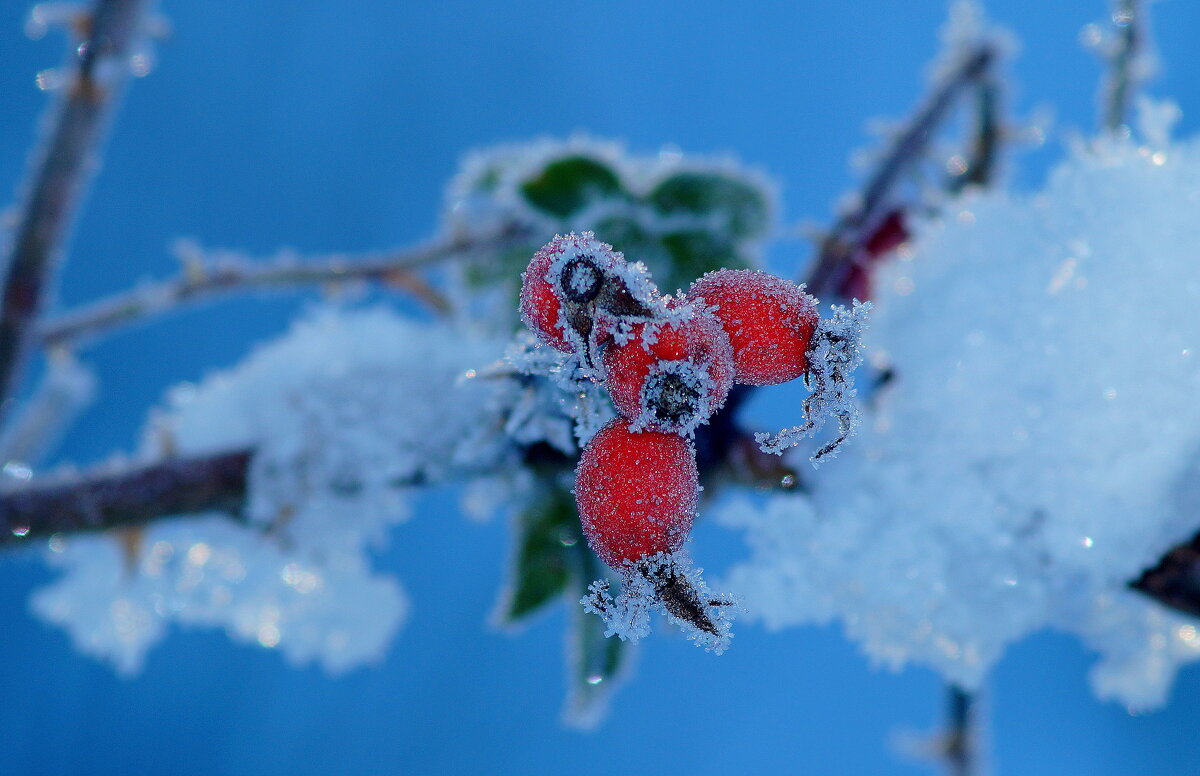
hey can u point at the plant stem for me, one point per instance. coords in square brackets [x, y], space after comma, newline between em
[959, 745]
[58, 177]
[842, 245]
[218, 274]
[120, 496]
[1123, 79]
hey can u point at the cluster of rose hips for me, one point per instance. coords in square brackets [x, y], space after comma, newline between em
[668, 364]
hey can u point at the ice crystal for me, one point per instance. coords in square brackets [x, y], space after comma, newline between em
[670, 584]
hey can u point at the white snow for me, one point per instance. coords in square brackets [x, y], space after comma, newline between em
[1039, 447]
[347, 413]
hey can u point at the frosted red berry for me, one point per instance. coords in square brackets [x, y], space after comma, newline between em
[560, 286]
[636, 492]
[671, 374]
[770, 322]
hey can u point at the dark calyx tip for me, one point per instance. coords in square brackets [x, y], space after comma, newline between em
[581, 280]
[672, 398]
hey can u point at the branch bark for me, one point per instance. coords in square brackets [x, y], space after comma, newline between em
[1175, 581]
[959, 746]
[842, 246]
[211, 276]
[59, 175]
[124, 496]
[1123, 78]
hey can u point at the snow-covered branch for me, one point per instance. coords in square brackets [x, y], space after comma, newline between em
[210, 274]
[60, 171]
[842, 245]
[117, 496]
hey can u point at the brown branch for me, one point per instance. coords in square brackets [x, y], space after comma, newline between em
[225, 274]
[959, 745]
[1175, 581]
[1123, 78]
[116, 497]
[841, 247]
[59, 175]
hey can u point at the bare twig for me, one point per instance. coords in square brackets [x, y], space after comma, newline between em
[985, 137]
[959, 742]
[114, 497]
[65, 388]
[1123, 74]
[59, 175]
[841, 247]
[1175, 581]
[222, 274]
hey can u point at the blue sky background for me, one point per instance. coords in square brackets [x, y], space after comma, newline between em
[327, 126]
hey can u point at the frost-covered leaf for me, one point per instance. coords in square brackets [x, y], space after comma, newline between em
[565, 186]
[733, 206]
[694, 252]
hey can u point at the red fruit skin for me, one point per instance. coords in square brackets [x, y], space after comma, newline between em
[769, 320]
[540, 306]
[636, 492]
[700, 339]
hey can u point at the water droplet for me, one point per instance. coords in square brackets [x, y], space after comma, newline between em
[1087, 541]
[788, 480]
[50, 79]
[18, 471]
[20, 530]
[595, 679]
[141, 65]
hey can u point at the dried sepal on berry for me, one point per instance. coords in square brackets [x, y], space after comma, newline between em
[577, 291]
[673, 373]
[770, 322]
[636, 492]
[834, 355]
[668, 583]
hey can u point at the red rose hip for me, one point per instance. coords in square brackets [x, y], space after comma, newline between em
[770, 322]
[673, 373]
[636, 492]
[566, 274]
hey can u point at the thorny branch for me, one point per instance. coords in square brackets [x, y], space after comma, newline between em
[208, 275]
[843, 245]
[59, 175]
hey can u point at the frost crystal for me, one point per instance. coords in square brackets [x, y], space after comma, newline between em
[666, 582]
[1039, 448]
[833, 357]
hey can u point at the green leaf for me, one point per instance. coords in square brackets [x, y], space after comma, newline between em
[737, 207]
[596, 662]
[547, 534]
[566, 185]
[500, 268]
[695, 252]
